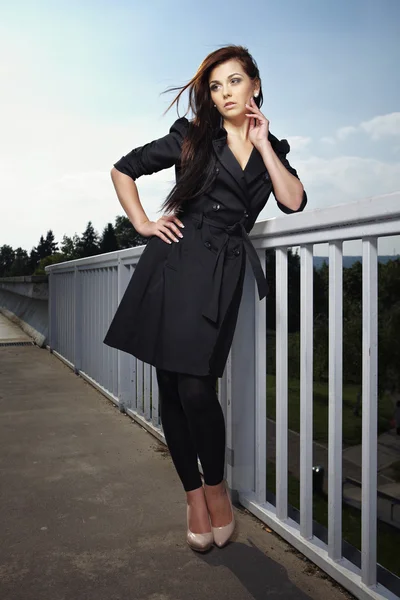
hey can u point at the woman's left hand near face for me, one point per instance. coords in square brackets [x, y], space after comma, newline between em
[259, 125]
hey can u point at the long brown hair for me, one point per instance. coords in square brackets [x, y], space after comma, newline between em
[197, 167]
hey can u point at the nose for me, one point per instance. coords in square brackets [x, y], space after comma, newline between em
[226, 92]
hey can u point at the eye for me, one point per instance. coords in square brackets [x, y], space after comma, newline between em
[235, 79]
[213, 87]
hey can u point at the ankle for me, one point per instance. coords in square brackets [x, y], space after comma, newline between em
[195, 496]
[215, 490]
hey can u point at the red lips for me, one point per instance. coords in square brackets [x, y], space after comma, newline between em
[229, 104]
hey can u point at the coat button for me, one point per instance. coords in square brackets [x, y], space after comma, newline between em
[236, 252]
[246, 214]
[217, 170]
[216, 206]
[207, 244]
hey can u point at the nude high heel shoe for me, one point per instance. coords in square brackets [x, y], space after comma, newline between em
[223, 534]
[198, 541]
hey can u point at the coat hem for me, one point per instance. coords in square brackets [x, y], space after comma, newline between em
[163, 365]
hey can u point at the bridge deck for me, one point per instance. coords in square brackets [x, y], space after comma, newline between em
[11, 333]
[92, 506]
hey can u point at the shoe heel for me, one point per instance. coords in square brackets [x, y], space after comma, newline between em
[223, 534]
[201, 542]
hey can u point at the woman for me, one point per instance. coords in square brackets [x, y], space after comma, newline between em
[180, 308]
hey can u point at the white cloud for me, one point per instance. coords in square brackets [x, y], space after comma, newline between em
[55, 169]
[298, 143]
[344, 132]
[349, 178]
[342, 179]
[382, 126]
[328, 140]
[376, 128]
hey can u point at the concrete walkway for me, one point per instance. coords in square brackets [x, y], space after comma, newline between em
[92, 507]
[11, 333]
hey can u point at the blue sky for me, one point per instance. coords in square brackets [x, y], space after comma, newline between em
[81, 85]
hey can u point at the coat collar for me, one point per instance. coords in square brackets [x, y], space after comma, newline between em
[255, 166]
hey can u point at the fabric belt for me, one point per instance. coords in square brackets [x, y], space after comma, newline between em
[237, 229]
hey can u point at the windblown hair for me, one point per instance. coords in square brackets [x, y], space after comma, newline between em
[197, 158]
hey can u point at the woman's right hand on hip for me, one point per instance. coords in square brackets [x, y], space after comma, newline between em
[163, 228]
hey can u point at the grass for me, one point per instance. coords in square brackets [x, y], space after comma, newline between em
[351, 422]
[387, 539]
[395, 470]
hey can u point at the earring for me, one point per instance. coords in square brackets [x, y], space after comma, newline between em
[256, 95]
[215, 106]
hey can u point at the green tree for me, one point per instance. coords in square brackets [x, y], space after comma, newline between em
[88, 244]
[33, 260]
[52, 259]
[293, 290]
[108, 241]
[7, 256]
[51, 245]
[389, 326]
[21, 264]
[46, 246]
[126, 234]
[69, 247]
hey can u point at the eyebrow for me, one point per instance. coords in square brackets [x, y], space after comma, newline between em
[216, 80]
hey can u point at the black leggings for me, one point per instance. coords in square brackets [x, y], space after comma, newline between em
[194, 425]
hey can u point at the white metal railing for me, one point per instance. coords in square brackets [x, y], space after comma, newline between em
[84, 295]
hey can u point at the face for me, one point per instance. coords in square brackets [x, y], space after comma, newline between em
[231, 88]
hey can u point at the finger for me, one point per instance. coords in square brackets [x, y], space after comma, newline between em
[252, 121]
[256, 109]
[179, 222]
[169, 233]
[253, 107]
[169, 224]
[172, 225]
[163, 237]
[174, 219]
[256, 117]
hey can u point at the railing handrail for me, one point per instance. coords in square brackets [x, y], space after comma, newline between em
[362, 211]
[340, 215]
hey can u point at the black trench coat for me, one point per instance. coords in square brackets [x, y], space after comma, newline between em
[180, 308]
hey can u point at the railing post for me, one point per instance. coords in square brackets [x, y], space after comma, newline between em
[281, 425]
[369, 410]
[52, 312]
[335, 401]
[260, 389]
[77, 321]
[240, 394]
[306, 391]
[125, 388]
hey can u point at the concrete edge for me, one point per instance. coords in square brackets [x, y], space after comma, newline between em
[37, 337]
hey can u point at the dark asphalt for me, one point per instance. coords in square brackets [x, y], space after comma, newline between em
[92, 508]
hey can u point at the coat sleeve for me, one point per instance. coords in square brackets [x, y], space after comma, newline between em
[156, 155]
[282, 148]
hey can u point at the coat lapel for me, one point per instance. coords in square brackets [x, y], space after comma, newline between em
[229, 162]
[256, 167]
